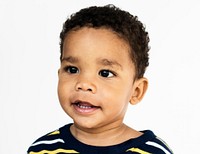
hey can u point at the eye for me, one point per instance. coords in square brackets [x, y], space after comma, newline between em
[71, 69]
[106, 73]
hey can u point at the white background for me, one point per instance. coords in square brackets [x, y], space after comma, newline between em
[29, 60]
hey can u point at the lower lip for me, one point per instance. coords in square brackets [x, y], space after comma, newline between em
[85, 110]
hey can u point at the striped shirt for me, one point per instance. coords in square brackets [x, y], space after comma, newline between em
[62, 141]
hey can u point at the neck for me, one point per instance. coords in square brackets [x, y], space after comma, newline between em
[104, 137]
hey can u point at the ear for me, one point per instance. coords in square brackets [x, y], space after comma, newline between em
[139, 89]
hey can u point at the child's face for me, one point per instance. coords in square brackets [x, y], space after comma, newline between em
[95, 78]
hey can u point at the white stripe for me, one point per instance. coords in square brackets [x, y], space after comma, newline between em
[158, 146]
[48, 142]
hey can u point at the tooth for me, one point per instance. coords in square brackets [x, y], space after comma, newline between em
[84, 107]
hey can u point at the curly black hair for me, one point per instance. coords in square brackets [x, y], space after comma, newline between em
[121, 22]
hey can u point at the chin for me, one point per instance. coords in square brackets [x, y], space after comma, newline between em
[84, 125]
[87, 125]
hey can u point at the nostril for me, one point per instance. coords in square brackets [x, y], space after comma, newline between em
[80, 86]
[89, 89]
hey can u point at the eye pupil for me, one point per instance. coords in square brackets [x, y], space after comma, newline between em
[104, 73]
[71, 69]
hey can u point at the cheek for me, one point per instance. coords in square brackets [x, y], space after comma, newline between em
[62, 91]
[116, 103]
[124, 88]
[119, 94]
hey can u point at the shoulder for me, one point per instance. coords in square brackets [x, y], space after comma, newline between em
[49, 142]
[50, 137]
[149, 143]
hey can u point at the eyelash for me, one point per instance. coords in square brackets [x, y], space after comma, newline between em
[75, 70]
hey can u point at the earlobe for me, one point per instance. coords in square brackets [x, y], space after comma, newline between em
[139, 90]
[134, 100]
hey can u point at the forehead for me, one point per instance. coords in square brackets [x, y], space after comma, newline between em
[91, 42]
[101, 33]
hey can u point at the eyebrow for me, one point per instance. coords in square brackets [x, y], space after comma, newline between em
[111, 63]
[70, 59]
[104, 62]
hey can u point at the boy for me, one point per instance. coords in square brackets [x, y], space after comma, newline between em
[104, 54]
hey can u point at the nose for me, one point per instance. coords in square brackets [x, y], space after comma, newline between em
[86, 85]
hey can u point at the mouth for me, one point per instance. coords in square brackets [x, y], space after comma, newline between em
[84, 107]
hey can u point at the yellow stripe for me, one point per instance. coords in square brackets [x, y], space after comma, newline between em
[138, 150]
[54, 133]
[54, 151]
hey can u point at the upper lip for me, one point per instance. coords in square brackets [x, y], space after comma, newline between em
[86, 103]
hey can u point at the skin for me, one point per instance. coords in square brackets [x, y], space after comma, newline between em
[96, 84]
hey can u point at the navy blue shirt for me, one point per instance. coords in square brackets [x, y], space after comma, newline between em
[62, 141]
